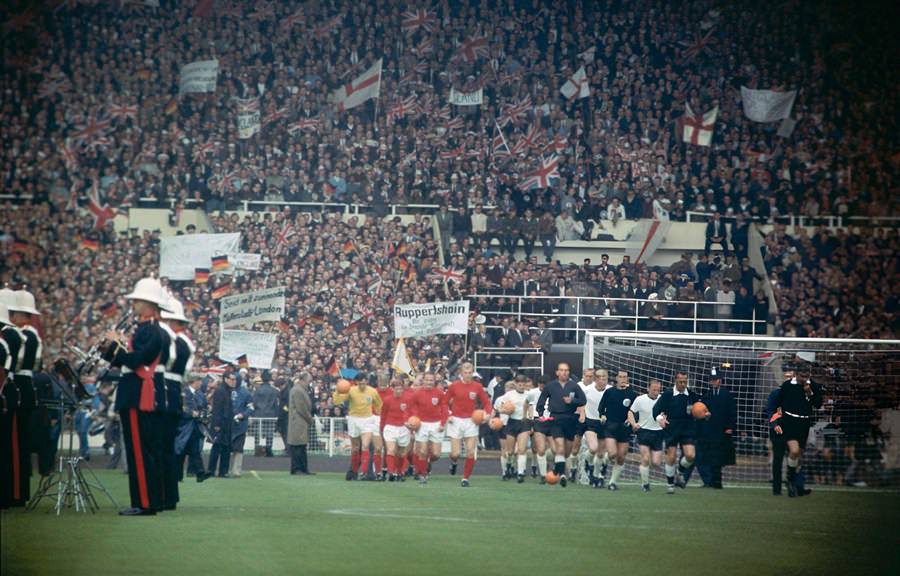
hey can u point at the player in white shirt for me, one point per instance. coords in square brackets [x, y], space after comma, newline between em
[649, 432]
[540, 430]
[587, 379]
[506, 443]
[513, 409]
[593, 428]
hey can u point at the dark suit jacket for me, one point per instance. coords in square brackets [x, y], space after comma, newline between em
[717, 448]
[711, 230]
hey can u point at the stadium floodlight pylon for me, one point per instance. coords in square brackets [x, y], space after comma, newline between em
[860, 378]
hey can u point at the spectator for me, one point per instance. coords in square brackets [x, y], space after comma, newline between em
[548, 231]
[716, 234]
[567, 228]
[299, 421]
[265, 400]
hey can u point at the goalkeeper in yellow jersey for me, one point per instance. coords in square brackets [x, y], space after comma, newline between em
[362, 424]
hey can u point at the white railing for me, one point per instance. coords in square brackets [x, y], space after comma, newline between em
[635, 320]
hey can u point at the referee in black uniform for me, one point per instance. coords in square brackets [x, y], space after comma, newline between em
[796, 400]
[565, 396]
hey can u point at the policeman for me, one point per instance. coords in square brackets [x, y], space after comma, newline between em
[10, 351]
[23, 314]
[716, 447]
[796, 400]
[180, 359]
[135, 401]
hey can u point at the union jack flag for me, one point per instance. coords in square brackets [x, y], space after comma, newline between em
[454, 123]
[294, 18]
[99, 142]
[473, 48]
[500, 147]
[448, 275]
[542, 177]
[92, 128]
[415, 19]
[699, 45]
[557, 145]
[451, 154]
[201, 150]
[122, 112]
[102, 213]
[510, 112]
[285, 234]
[401, 109]
[327, 27]
[420, 67]
[423, 47]
[303, 124]
[443, 113]
[227, 180]
[274, 116]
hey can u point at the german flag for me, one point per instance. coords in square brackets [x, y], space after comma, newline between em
[221, 291]
[404, 263]
[333, 368]
[411, 274]
[190, 306]
[220, 263]
[171, 106]
[242, 361]
[401, 248]
[348, 247]
[109, 309]
[318, 318]
[282, 326]
[20, 247]
[201, 275]
[89, 244]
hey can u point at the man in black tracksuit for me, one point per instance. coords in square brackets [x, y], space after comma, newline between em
[673, 412]
[796, 400]
[565, 396]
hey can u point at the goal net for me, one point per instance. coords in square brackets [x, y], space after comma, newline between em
[855, 436]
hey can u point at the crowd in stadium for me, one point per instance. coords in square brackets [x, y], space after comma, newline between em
[91, 107]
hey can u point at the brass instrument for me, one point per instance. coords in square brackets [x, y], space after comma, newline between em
[103, 350]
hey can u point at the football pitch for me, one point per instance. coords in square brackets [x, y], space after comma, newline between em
[273, 523]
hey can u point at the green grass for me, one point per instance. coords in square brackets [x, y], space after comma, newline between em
[278, 524]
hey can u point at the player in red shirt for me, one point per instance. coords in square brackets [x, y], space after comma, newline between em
[462, 399]
[430, 405]
[380, 461]
[395, 411]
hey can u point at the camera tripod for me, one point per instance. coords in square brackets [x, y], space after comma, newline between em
[72, 488]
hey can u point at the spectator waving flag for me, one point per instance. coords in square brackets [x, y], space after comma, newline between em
[698, 130]
[700, 45]
[122, 112]
[91, 129]
[500, 147]
[577, 86]
[401, 109]
[364, 87]
[304, 124]
[546, 174]
[415, 19]
[102, 213]
[473, 48]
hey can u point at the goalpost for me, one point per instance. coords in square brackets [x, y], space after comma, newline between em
[855, 436]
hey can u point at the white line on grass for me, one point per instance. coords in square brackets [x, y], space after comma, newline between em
[255, 475]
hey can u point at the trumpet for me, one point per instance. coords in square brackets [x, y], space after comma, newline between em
[100, 350]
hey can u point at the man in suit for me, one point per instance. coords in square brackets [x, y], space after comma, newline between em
[715, 444]
[445, 225]
[221, 417]
[299, 420]
[716, 234]
[480, 337]
[189, 441]
[265, 398]
[242, 403]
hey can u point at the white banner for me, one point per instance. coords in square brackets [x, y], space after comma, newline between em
[248, 117]
[180, 256]
[199, 77]
[466, 98]
[244, 261]
[417, 320]
[251, 307]
[258, 346]
[767, 105]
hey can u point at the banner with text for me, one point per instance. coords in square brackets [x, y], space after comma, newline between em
[244, 261]
[199, 77]
[252, 307]
[258, 346]
[180, 256]
[466, 98]
[417, 320]
[248, 118]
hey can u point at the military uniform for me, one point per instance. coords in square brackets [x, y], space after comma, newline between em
[135, 405]
[28, 403]
[715, 445]
[10, 352]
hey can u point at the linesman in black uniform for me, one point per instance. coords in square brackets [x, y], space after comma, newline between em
[564, 396]
[10, 351]
[614, 408]
[673, 412]
[22, 314]
[795, 402]
[135, 397]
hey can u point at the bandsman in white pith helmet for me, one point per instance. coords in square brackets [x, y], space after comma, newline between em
[135, 397]
[10, 351]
